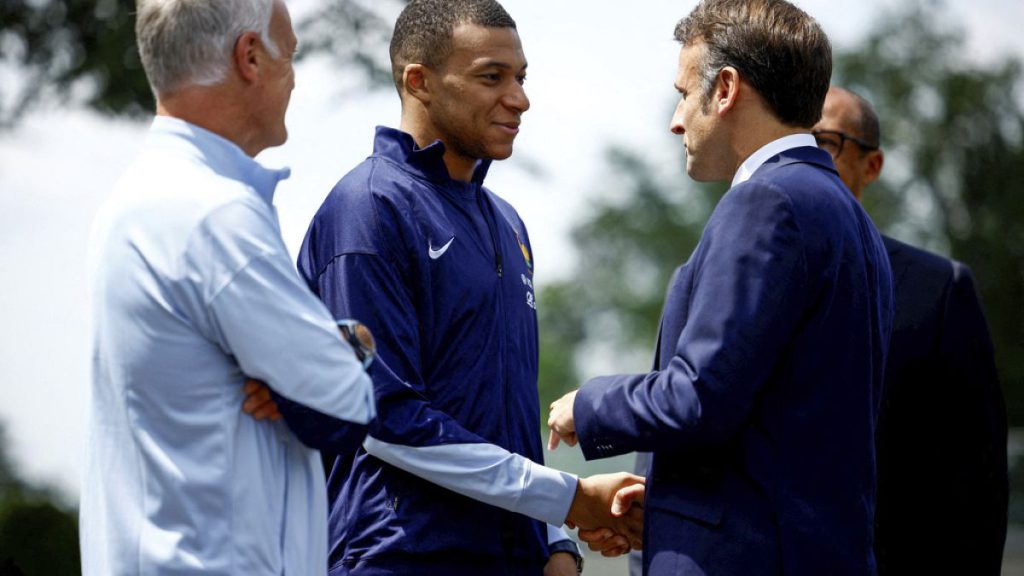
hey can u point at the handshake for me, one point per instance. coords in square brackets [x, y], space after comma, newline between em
[608, 508]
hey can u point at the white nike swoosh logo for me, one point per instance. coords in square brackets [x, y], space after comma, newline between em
[435, 254]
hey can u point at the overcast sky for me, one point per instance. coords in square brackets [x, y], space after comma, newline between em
[601, 72]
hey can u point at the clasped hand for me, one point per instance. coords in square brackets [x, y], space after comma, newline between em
[608, 509]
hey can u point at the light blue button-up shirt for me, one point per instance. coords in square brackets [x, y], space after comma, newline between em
[192, 288]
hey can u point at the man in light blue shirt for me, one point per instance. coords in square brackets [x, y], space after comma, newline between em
[193, 288]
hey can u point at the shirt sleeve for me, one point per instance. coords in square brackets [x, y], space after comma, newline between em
[271, 323]
[750, 269]
[412, 434]
[558, 535]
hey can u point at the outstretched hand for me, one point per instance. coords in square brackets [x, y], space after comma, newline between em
[604, 540]
[612, 503]
[560, 420]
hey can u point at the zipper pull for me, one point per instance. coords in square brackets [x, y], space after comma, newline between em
[497, 257]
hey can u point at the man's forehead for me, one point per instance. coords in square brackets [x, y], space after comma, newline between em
[691, 55]
[475, 42]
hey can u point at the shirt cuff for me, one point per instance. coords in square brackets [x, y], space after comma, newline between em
[549, 494]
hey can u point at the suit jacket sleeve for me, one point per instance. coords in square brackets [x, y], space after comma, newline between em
[749, 288]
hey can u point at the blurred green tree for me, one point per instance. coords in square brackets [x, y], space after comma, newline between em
[643, 225]
[953, 131]
[38, 533]
[954, 134]
[83, 51]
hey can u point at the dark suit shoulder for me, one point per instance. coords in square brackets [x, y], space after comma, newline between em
[923, 262]
[922, 282]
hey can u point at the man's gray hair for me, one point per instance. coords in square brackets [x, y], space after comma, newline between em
[190, 42]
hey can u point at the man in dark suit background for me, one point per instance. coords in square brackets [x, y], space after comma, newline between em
[761, 409]
[941, 440]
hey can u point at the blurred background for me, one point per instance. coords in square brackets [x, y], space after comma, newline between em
[596, 175]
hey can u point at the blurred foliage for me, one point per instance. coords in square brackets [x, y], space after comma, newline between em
[38, 534]
[641, 228]
[953, 131]
[83, 51]
[354, 34]
[80, 51]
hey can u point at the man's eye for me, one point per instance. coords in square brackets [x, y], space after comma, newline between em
[521, 79]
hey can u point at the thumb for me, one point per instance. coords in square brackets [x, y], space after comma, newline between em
[627, 497]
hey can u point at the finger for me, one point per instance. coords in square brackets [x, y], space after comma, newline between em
[626, 497]
[614, 543]
[250, 386]
[250, 406]
[570, 439]
[552, 440]
[256, 401]
[633, 526]
[615, 552]
[633, 479]
[267, 410]
[595, 535]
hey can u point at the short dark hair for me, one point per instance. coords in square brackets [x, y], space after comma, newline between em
[423, 32]
[776, 47]
[868, 128]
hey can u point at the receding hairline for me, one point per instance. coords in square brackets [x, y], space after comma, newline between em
[865, 119]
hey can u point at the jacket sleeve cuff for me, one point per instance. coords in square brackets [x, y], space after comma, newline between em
[593, 440]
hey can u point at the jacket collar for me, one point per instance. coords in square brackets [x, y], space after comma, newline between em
[222, 155]
[771, 152]
[800, 155]
[425, 162]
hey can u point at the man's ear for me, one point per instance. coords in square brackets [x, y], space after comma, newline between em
[415, 79]
[875, 160]
[247, 56]
[727, 88]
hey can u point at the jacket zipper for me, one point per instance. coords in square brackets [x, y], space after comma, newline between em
[488, 214]
[487, 209]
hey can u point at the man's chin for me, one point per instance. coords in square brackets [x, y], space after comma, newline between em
[697, 174]
[500, 152]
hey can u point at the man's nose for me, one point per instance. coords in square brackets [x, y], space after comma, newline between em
[676, 124]
[517, 99]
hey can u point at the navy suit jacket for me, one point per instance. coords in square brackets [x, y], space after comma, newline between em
[942, 480]
[761, 410]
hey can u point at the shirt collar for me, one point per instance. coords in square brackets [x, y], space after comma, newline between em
[427, 162]
[220, 154]
[773, 148]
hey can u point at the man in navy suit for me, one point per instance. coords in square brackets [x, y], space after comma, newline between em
[941, 439]
[760, 410]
